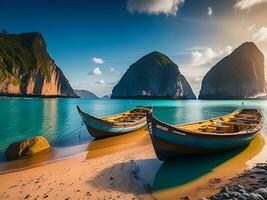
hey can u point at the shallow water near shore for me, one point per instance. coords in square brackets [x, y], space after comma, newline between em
[59, 121]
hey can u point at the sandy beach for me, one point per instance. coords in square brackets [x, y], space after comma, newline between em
[123, 167]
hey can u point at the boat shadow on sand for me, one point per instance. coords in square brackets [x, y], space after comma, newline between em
[186, 170]
[153, 175]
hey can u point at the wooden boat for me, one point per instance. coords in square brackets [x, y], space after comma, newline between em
[126, 122]
[214, 135]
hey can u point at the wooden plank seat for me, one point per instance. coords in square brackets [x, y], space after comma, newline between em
[247, 115]
[209, 129]
[249, 111]
[244, 119]
[240, 123]
[202, 128]
[221, 128]
[130, 121]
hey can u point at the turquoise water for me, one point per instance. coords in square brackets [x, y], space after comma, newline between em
[59, 122]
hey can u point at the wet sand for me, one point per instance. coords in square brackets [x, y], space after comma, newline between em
[126, 167]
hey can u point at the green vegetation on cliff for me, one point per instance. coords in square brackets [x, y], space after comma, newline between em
[24, 52]
[26, 69]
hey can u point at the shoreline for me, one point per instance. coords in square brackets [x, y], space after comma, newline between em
[38, 160]
[126, 167]
[250, 183]
[57, 154]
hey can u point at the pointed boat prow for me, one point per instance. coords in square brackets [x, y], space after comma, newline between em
[78, 108]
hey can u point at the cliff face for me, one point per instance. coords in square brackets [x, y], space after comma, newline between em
[237, 76]
[26, 68]
[154, 76]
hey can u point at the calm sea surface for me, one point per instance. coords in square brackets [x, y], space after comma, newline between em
[59, 121]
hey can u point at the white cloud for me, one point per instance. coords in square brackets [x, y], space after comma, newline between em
[96, 71]
[251, 27]
[102, 82]
[247, 4]
[208, 56]
[210, 11]
[201, 60]
[260, 35]
[196, 48]
[228, 50]
[202, 57]
[98, 61]
[111, 69]
[167, 7]
[194, 76]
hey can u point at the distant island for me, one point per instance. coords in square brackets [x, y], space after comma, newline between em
[154, 76]
[26, 69]
[105, 97]
[239, 75]
[86, 94]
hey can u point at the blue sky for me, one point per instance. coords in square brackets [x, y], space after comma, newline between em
[193, 33]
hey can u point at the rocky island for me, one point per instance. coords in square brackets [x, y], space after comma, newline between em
[85, 94]
[26, 69]
[154, 76]
[239, 75]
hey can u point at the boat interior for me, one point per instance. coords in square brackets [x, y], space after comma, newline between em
[241, 120]
[128, 117]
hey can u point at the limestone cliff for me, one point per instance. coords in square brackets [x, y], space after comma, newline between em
[237, 76]
[154, 76]
[26, 68]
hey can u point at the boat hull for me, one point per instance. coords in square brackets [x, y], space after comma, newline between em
[100, 129]
[170, 143]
